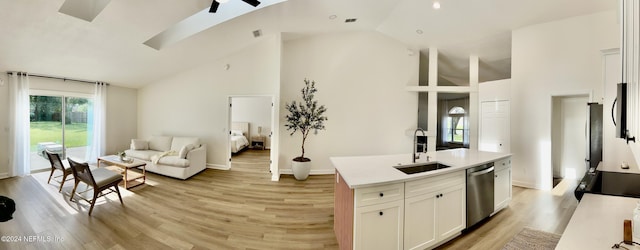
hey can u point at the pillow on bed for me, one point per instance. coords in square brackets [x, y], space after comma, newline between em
[236, 132]
[139, 144]
[185, 150]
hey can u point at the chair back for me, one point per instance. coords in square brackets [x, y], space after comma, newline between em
[55, 161]
[82, 172]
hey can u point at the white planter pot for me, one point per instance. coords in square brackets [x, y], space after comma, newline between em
[301, 169]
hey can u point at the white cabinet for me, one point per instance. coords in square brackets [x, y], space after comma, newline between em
[502, 184]
[379, 217]
[434, 210]
[379, 226]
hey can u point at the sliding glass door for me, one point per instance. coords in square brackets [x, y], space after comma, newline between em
[58, 123]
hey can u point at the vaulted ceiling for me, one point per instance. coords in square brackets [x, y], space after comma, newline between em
[35, 37]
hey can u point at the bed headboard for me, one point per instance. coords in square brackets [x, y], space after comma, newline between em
[244, 126]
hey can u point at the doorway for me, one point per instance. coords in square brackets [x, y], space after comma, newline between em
[251, 120]
[60, 123]
[568, 140]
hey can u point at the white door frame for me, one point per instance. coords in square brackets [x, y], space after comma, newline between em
[273, 137]
[547, 171]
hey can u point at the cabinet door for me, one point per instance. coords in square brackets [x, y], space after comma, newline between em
[502, 190]
[420, 223]
[451, 211]
[380, 226]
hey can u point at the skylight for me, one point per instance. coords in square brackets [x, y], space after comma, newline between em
[202, 21]
[84, 9]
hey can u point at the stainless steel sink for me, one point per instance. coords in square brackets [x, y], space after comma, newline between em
[420, 167]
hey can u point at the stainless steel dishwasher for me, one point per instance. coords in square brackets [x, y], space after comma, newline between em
[479, 193]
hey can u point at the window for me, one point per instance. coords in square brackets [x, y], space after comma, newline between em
[456, 125]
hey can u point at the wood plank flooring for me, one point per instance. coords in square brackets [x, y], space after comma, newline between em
[237, 209]
[548, 211]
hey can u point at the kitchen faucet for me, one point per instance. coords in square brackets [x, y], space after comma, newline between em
[415, 144]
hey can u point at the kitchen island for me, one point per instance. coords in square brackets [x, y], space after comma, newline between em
[379, 207]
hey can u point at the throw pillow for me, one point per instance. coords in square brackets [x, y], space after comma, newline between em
[185, 150]
[160, 143]
[139, 144]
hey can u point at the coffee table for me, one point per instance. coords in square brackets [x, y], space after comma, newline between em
[130, 178]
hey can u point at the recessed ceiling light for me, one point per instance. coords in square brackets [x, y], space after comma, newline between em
[436, 5]
[419, 31]
[350, 20]
[332, 17]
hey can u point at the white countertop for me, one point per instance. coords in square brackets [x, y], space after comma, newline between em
[362, 171]
[597, 222]
[617, 168]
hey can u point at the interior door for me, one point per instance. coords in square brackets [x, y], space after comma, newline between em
[495, 129]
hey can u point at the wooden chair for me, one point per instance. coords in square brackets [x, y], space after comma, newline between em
[56, 164]
[99, 179]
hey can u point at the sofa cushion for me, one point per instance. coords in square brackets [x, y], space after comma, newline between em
[144, 155]
[185, 150]
[174, 160]
[160, 143]
[179, 142]
[139, 144]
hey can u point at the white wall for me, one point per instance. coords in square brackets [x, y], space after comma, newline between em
[195, 102]
[555, 58]
[498, 90]
[257, 111]
[122, 118]
[361, 79]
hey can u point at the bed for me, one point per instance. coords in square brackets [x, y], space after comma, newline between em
[239, 132]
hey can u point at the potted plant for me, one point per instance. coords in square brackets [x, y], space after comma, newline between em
[304, 116]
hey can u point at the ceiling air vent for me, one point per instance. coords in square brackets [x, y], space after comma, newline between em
[350, 20]
[257, 33]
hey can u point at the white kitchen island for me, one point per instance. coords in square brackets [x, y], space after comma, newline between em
[379, 207]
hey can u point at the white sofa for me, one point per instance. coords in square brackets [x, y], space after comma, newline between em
[179, 157]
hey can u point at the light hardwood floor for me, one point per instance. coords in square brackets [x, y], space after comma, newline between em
[237, 209]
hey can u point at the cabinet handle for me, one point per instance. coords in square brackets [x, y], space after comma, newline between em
[381, 194]
[381, 213]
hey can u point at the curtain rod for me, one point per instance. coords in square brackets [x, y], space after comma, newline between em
[54, 77]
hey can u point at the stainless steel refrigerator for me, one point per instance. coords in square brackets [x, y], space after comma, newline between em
[594, 135]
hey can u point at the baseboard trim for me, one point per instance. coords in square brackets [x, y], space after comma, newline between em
[4, 175]
[525, 185]
[312, 172]
[218, 166]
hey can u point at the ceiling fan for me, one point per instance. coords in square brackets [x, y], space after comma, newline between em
[216, 3]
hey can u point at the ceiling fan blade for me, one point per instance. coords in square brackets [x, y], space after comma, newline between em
[214, 6]
[253, 3]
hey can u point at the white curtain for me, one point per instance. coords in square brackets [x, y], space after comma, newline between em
[444, 124]
[98, 118]
[466, 123]
[19, 115]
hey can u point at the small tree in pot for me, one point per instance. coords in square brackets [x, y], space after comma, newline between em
[304, 116]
